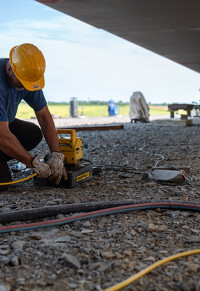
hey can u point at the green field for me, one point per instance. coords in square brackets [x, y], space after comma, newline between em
[63, 110]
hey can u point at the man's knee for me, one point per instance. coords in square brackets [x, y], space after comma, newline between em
[28, 133]
[37, 133]
[34, 138]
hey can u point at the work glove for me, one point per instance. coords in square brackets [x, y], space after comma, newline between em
[55, 161]
[41, 168]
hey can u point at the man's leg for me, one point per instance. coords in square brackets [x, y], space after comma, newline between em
[5, 175]
[29, 135]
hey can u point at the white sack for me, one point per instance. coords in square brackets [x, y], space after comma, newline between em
[138, 107]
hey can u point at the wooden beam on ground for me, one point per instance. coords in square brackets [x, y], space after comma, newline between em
[173, 122]
[90, 128]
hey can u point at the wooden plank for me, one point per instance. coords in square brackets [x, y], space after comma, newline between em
[173, 122]
[92, 128]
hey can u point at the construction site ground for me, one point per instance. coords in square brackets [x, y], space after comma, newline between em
[98, 253]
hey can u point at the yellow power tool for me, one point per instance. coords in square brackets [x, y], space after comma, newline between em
[70, 146]
[78, 169]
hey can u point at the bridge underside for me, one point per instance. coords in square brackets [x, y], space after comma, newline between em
[170, 28]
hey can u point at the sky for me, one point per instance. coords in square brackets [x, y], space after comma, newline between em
[89, 63]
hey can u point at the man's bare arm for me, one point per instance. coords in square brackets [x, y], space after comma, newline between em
[48, 128]
[55, 159]
[10, 145]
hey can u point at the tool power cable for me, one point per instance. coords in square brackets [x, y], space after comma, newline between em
[18, 181]
[140, 274]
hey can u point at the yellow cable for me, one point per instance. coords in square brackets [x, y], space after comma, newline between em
[18, 181]
[150, 268]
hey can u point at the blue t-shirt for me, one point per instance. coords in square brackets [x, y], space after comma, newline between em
[10, 98]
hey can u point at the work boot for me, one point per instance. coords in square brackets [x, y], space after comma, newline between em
[5, 175]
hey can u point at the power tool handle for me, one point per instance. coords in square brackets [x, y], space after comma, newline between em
[72, 132]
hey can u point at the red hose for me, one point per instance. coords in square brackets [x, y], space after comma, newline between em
[143, 206]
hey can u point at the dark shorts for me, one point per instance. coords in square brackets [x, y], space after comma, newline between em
[28, 134]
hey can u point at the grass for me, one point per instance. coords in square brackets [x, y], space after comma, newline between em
[158, 110]
[63, 110]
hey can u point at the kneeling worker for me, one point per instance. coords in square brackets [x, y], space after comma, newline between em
[22, 78]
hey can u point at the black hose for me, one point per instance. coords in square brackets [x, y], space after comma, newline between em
[49, 211]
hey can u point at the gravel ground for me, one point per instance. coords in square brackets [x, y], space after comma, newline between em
[98, 253]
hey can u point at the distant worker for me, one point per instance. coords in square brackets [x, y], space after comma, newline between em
[22, 78]
[112, 108]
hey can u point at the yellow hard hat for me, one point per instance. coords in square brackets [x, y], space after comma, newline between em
[28, 64]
